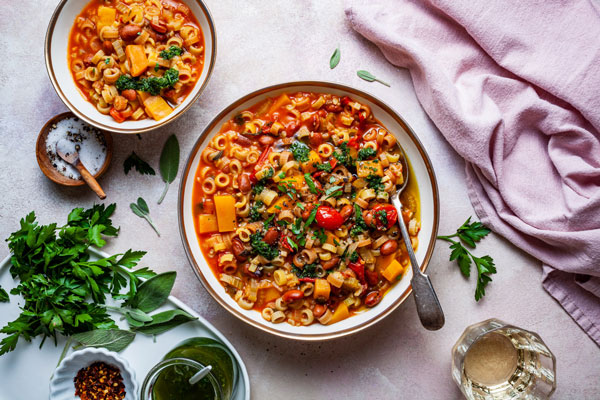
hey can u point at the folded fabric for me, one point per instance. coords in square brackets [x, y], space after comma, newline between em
[514, 86]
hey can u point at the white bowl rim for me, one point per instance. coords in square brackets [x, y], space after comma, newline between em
[109, 128]
[377, 316]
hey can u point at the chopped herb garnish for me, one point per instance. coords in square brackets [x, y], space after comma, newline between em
[310, 183]
[324, 167]
[366, 153]
[292, 244]
[107, 61]
[344, 156]
[300, 151]
[311, 217]
[334, 191]
[360, 224]
[381, 216]
[353, 257]
[261, 248]
[172, 52]
[281, 175]
[374, 182]
[308, 271]
[268, 221]
[151, 85]
[255, 215]
[320, 234]
[300, 205]
[238, 119]
[258, 188]
[156, 67]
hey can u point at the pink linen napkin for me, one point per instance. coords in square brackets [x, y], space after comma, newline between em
[514, 86]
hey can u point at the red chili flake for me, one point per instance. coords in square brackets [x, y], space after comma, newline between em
[99, 381]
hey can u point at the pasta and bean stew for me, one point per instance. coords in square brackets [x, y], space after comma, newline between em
[293, 213]
[136, 59]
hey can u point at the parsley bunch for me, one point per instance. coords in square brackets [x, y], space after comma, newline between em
[64, 291]
[470, 233]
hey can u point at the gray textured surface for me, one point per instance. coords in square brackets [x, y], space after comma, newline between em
[261, 43]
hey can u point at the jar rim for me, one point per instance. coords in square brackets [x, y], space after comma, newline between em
[155, 371]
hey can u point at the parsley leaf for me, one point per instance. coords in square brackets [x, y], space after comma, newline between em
[471, 233]
[353, 257]
[311, 183]
[343, 156]
[320, 234]
[141, 166]
[3, 296]
[324, 167]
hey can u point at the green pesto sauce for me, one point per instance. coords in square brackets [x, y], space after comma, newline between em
[172, 384]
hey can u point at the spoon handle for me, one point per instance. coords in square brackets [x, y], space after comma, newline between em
[428, 306]
[90, 180]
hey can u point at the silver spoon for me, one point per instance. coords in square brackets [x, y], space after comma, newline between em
[69, 152]
[428, 306]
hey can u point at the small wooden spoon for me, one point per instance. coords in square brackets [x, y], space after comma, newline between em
[46, 164]
[69, 151]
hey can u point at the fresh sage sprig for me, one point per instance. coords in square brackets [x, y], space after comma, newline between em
[150, 295]
[169, 163]
[369, 77]
[141, 210]
[335, 58]
[470, 233]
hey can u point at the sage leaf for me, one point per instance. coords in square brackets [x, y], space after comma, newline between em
[335, 58]
[141, 210]
[169, 163]
[369, 77]
[143, 205]
[138, 315]
[132, 321]
[165, 321]
[110, 339]
[154, 292]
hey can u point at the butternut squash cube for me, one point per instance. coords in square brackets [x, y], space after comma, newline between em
[284, 203]
[157, 107]
[322, 289]
[225, 207]
[106, 16]
[392, 271]
[366, 168]
[138, 62]
[310, 166]
[340, 313]
[207, 223]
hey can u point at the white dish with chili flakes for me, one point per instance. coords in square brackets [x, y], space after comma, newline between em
[215, 209]
[62, 385]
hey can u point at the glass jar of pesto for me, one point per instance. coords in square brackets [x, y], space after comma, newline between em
[169, 379]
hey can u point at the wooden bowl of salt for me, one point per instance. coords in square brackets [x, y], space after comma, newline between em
[96, 148]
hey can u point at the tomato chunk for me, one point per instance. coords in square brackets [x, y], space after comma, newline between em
[328, 218]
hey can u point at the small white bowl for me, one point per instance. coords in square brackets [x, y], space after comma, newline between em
[55, 50]
[62, 386]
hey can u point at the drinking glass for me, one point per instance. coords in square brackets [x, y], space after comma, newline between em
[493, 360]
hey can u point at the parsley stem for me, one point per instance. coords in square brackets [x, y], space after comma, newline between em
[382, 82]
[162, 196]
[447, 238]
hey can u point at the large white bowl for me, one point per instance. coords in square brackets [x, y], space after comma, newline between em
[429, 203]
[57, 39]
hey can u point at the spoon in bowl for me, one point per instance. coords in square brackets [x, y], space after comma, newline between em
[428, 306]
[69, 152]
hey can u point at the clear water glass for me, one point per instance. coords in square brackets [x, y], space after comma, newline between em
[493, 360]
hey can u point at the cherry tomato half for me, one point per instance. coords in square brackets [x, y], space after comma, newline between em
[391, 215]
[328, 218]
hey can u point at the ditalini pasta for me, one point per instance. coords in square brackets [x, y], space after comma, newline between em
[292, 208]
[136, 59]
